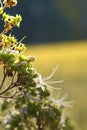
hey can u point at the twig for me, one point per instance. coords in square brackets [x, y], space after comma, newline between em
[12, 84]
[3, 80]
[8, 88]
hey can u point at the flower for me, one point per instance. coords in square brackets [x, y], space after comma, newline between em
[31, 98]
[14, 112]
[43, 82]
[1, 101]
[9, 3]
[62, 103]
[12, 20]
[31, 58]
[1, 10]
[63, 120]
[24, 109]
[8, 50]
[7, 120]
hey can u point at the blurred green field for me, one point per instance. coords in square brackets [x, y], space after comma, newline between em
[72, 60]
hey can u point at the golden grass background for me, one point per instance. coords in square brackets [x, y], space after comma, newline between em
[72, 60]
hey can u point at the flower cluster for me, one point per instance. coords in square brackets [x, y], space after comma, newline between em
[7, 41]
[7, 4]
[12, 20]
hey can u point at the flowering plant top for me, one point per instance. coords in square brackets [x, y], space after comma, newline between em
[27, 100]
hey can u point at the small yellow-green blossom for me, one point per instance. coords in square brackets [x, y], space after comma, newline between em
[12, 20]
[21, 47]
[17, 20]
[9, 3]
[5, 17]
[1, 10]
[7, 40]
[11, 45]
[11, 39]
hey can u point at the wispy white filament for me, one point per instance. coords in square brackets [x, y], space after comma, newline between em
[54, 82]
[43, 82]
[62, 103]
[1, 3]
[21, 39]
[52, 73]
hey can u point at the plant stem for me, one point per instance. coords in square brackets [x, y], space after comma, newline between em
[4, 77]
[12, 85]
[8, 27]
[8, 88]
[3, 80]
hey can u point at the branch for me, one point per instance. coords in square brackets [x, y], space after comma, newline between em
[3, 80]
[11, 86]
[12, 96]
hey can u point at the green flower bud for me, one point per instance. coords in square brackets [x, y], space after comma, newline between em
[31, 70]
[35, 75]
[24, 63]
[31, 58]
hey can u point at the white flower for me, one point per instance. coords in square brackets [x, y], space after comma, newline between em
[14, 112]
[24, 63]
[15, 52]
[40, 83]
[9, 100]
[31, 98]
[8, 126]
[8, 50]
[6, 120]
[1, 101]
[62, 103]
[43, 82]
[63, 120]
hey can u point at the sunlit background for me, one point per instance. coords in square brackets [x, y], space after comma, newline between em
[56, 33]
